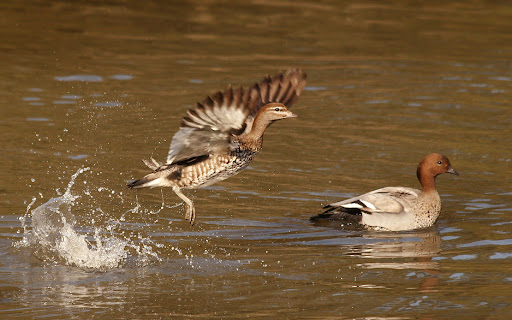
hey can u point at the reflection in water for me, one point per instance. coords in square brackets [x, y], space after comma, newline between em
[421, 245]
[410, 251]
[395, 250]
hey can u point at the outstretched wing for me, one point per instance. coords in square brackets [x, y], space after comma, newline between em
[208, 127]
[389, 200]
[284, 88]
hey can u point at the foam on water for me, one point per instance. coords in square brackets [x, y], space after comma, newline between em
[54, 235]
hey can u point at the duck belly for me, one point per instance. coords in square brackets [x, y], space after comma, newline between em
[389, 221]
[214, 169]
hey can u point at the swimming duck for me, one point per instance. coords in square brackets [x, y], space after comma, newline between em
[396, 208]
[221, 136]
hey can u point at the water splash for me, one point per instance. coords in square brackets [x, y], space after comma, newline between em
[53, 235]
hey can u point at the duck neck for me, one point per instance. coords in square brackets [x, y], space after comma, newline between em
[254, 138]
[427, 181]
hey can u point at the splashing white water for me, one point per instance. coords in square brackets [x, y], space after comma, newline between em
[53, 236]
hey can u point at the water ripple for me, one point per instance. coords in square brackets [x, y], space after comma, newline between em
[504, 242]
[80, 77]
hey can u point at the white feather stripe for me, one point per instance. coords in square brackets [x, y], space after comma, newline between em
[213, 117]
[368, 204]
[192, 124]
[197, 119]
[195, 122]
[352, 205]
[209, 117]
[222, 118]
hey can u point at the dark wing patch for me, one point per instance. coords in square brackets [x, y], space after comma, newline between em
[337, 216]
[191, 161]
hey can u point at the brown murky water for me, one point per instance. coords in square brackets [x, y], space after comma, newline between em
[89, 89]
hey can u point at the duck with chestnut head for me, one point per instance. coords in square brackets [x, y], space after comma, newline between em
[396, 208]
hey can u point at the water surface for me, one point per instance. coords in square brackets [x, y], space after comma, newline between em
[90, 89]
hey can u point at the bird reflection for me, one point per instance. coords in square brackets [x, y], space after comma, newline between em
[413, 250]
[416, 250]
[420, 246]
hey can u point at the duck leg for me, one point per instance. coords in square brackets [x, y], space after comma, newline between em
[190, 214]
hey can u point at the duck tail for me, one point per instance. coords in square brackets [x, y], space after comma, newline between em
[162, 177]
[141, 183]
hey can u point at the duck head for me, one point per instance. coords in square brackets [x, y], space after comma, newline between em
[436, 164]
[274, 111]
[268, 114]
[431, 166]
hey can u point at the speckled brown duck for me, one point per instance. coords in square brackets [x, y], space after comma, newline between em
[222, 135]
[396, 208]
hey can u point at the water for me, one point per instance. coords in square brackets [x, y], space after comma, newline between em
[88, 90]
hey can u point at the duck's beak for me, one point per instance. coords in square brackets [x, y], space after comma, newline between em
[291, 115]
[452, 171]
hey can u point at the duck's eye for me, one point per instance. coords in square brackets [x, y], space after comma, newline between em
[277, 109]
[439, 162]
